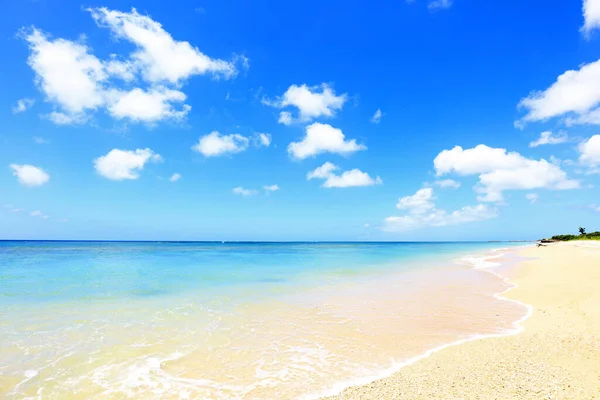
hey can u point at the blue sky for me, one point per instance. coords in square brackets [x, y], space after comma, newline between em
[218, 120]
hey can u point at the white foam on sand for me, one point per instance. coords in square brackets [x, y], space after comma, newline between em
[483, 263]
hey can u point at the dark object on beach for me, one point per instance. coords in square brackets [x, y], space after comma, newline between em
[547, 240]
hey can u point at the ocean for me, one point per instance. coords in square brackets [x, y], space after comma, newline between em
[187, 320]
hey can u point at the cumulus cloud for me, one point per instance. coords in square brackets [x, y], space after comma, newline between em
[214, 144]
[575, 93]
[23, 105]
[262, 139]
[175, 177]
[66, 73]
[376, 118]
[532, 197]
[591, 16]
[120, 164]
[418, 203]
[351, 178]
[323, 138]
[499, 170]
[78, 83]
[139, 105]
[447, 184]
[421, 212]
[590, 152]
[244, 192]
[29, 175]
[439, 4]
[310, 101]
[159, 57]
[548, 137]
[271, 188]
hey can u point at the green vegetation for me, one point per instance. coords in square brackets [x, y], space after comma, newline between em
[582, 236]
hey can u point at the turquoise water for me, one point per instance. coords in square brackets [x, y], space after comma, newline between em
[214, 320]
[39, 272]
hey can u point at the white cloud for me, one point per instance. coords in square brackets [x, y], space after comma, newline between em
[175, 177]
[262, 139]
[29, 175]
[439, 4]
[310, 102]
[271, 188]
[244, 192]
[500, 170]
[590, 152]
[437, 218]
[40, 140]
[147, 106]
[423, 213]
[159, 57]
[377, 116]
[38, 214]
[351, 178]
[13, 209]
[60, 118]
[23, 105]
[447, 184]
[575, 91]
[548, 138]
[215, 144]
[78, 83]
[285, 118]
[322, 138]
[591, 16]
[66, 72]
[419, 203]
[594, 207]
[322, 172]
[119, 164]
[532, 197]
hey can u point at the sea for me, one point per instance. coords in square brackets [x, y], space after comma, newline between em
[237, 320]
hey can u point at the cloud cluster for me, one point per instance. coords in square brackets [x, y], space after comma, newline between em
[499, 171]
[351, 178]
[323, 138]
[310, 102]
[29, 175]
[421, 212]
[120, 164]
[144, 86]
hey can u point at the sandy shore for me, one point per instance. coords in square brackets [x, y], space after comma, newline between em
[557, 356]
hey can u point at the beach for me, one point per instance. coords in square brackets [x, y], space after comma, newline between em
[236, 320]
[556, 355]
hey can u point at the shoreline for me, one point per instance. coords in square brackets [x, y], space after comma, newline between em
[517, 328]
[534, 360]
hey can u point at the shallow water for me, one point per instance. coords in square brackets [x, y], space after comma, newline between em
[231, 320]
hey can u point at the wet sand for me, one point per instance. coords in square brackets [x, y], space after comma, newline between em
[556, 356]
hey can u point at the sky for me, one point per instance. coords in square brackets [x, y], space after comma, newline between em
[352, 121]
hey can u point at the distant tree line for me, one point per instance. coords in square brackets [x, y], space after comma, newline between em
[582, 236]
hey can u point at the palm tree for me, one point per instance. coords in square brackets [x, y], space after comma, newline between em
[581, 230]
